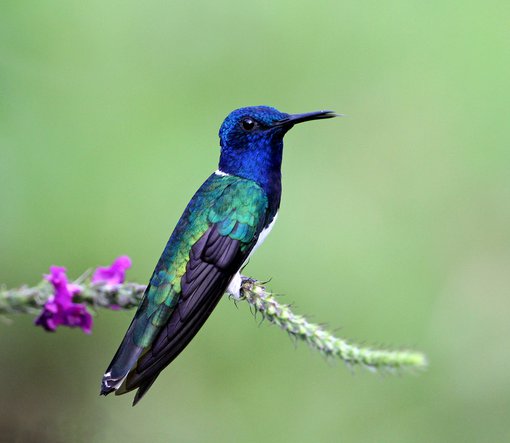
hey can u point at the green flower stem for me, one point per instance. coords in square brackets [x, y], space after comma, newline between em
[322, 340]
[29, 300]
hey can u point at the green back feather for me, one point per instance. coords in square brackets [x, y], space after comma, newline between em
[237, 206]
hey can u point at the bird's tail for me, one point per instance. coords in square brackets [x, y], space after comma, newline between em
[124, 360]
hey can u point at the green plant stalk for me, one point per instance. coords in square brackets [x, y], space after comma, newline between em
[29, 300]
[324, 341]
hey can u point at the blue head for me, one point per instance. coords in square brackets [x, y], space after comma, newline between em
[252, 142]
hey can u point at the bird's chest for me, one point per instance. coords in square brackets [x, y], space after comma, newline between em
[234, 288]
[263, 235]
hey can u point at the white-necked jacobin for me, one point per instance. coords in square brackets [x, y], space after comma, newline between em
[224, 223]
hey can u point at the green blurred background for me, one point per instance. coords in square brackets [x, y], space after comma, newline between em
[394, 223]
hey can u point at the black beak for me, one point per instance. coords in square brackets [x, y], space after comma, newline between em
[294, 119]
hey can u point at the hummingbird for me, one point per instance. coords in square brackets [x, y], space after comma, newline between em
[227, 219]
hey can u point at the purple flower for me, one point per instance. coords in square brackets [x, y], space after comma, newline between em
[114, 274]
[60, 309]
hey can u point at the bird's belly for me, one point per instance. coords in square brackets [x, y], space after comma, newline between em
[234, 287]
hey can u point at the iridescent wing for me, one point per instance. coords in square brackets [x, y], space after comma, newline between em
[212, 240]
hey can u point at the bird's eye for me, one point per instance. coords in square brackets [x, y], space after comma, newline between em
[248, 124]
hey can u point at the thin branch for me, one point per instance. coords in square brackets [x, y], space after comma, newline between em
[319, 338]
[30, 300]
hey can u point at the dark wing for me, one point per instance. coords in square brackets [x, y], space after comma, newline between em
[214, 261]
[210, 243]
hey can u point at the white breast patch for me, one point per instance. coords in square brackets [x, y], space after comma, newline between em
[263, 235]
[234, 286]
